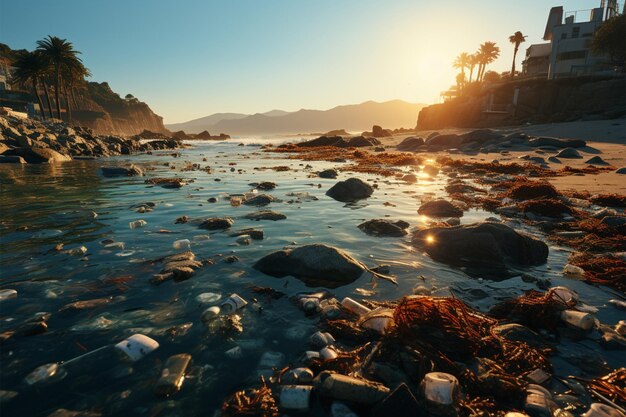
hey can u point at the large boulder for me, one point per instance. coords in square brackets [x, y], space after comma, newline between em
[313, 264]
[487, 249]
[481, 136]
[130, 171]
[445, 141]
[557, 143]
[351, 189]
[439, 208]
[410, 144]
[384, 228]
[323, 141]
[362, 142]
[379, 132]
[43, 155]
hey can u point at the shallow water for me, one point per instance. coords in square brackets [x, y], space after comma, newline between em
[57, 204]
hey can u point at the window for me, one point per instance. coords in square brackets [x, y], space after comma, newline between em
[564, 56]
[575, 31]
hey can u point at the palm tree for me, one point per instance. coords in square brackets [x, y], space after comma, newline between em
[473, 61]
[31, 66]
[487, 53]
[461, 62]
[516, 39]
[61, 53]
[73, 73]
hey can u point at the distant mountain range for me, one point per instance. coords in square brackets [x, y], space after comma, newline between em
[355, 117]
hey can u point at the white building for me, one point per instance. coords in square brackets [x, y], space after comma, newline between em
[570, 35]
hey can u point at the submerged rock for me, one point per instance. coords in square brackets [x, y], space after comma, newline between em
[265, 215]
[439, 208]
[131, 171]
[328, 173]
[259, 200]
[312, 264]
[217, 223]
[350, 190]
[384, 228]
[490, 247]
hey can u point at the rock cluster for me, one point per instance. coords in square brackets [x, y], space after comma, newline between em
[33, 142]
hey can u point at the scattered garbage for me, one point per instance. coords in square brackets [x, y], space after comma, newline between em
[172, 375]
[182, 244]
[44, 373]
[137, 346]
[7, 294]
[137, 224]
[297, 397]
[574, 271]
[210, 314]
[578, 319]
[233, 303]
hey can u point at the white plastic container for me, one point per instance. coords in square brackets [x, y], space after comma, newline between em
[321, 339]
[354, 306]
[210, 314]
[310, 304]
[295, 397]
[233, 303]
[137, 224]
[602, 410]
[182, 244]
[7, 294]
[310, 355]
[137, 346]
[573, 271]
[578, 319]
[200, 238]
[42, 373]
[328, 353]
[208, 297]
[440, 388]
[379, 320]
[565, 294]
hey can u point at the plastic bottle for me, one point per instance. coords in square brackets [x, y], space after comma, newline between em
[342, 387]
[354, 307]
[137, 224]
[578, 319]
[182, 244]
[440, 389]
[7, 294]
[172, 375]
[602, 410]
[321, 339]
[233, 303]
[295, 397]
[573, 271]
[44, 373]
[328, 353]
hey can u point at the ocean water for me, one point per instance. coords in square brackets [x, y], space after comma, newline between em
[44, 205]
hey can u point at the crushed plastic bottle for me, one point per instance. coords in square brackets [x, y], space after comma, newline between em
[354, 306]
[44, 373]
[7, 294]
[181, 244]
[574, 271]
[137, 224]
[233, 303]
[172, 375]
[564, 294]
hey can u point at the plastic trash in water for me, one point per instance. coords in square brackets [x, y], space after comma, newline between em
[210, 314]
[565, 294]
[354, 306]
[297, 376]
[182, 244]
[578, 319]
[310, 305]
[115, 245]
[172, 375]
[328, 353]
[233, 303]
[440, 389]
[81, 250]
[137, 224]
[342, 387]
[234, 353]
[309, 356]
[295, 397]
[602, 410]
[330, 308]
[44, 373]
[137, 346]
[269, 362]
[321, 339]
[200, 238]
[379, 320]
[208, 297]
[620, 328]
[573, 271]
[7, 294]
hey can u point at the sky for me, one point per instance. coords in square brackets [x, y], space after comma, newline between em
[191, 58]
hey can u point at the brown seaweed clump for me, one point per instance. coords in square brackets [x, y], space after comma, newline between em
[611, 386]
[251, 403]
[549, 207]
[534, 309]
[529, 190]
[604, 270]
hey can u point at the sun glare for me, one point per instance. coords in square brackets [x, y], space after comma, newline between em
[430, 239]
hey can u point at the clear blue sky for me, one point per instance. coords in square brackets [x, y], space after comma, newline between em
[191, 58]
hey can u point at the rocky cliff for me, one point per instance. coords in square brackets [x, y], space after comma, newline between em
[105, 112]
[539, 101]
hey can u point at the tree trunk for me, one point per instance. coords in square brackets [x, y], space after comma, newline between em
[68, 107]
[513, 66]
[45, 89]
[57, 87]
[471, 73]
[43, 114]
[74, 97]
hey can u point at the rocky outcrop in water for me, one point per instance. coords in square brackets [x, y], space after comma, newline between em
[33, 142]
[351, 189]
